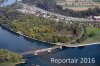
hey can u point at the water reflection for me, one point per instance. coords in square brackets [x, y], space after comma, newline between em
[81, 47]
[9, 31]
[7, 2]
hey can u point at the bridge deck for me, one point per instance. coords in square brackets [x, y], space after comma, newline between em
[35, 52]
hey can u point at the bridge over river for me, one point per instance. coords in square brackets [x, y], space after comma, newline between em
[37, 52]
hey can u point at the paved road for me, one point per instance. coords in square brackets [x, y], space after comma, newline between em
[34, 8]
[66, 17]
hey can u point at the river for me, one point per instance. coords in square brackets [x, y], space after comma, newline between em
[7, 2]
[17, 43]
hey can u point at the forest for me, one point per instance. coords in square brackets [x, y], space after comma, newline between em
[38, 27]
[7, 56]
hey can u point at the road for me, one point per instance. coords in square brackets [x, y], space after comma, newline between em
[31, 8]
[64, 17]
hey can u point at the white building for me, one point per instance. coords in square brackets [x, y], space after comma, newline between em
[96, 17]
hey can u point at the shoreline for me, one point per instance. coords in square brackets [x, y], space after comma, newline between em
[81, 45]
[27, 36]
[55, 44]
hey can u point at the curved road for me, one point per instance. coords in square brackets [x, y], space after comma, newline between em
[34, 8]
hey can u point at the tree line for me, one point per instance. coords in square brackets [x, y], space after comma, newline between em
[7, 56]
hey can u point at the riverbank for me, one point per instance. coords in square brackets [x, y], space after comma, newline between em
[7, 64]
[19, 33]
[55, 44]
[11, 63]
[80, 45]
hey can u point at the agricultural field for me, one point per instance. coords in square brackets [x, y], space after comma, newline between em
[78, 4]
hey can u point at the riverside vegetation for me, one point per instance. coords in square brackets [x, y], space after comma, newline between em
[41, 28]
[9, 57]
[38, 27]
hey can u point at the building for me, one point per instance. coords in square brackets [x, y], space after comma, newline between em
[96, 17]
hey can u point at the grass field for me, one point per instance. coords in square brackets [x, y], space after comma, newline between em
[89, 29]
[95, 38]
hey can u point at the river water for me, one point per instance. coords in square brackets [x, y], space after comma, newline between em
[17, 43]
[7, 2]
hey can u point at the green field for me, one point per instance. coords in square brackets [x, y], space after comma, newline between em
[95, 30]
[95, 38]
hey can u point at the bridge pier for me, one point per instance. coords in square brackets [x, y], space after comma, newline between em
[49, 50]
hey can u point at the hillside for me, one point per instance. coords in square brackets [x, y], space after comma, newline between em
[50, 5]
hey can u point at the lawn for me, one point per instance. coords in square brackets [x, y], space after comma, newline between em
[92, 29]
[95, 38]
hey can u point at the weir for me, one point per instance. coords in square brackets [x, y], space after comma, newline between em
[37, 52]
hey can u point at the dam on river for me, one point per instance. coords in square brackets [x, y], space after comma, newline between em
[37, 52]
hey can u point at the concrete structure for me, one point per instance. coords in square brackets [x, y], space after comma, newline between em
[37, 52]
[57, 17]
